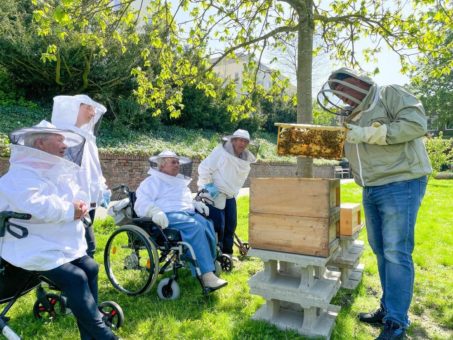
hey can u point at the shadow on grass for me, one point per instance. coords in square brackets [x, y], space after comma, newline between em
[23, 322]
[244, 328]
[346, 318]
[440, 183]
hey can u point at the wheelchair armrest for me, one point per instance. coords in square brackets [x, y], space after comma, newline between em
[147, 224]
[162, 236]
[143, 220]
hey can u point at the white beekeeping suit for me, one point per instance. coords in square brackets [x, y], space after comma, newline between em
[226, 170]
[43, 185]
[64, 116]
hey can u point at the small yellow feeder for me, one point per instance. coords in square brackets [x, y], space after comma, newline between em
[314, 141]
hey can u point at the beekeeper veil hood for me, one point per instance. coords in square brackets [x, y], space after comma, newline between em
[185, 163]
[74, 143]
[66, 110]
[333, 97]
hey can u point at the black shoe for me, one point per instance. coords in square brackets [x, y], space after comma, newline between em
[374, 318]
[392, 331]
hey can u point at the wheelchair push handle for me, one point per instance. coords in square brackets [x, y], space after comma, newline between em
[202, 197]
[6, 225]
[6, 215]
[123, 187]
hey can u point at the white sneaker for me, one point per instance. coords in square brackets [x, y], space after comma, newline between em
[213, 282]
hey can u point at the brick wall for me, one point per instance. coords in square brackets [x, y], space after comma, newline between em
[131, 170]
[4, 165]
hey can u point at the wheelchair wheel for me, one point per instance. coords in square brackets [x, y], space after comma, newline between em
[227, 263]
[112, 314]
[53, 306]
[131, 260]
[244, 249]
[167, 290]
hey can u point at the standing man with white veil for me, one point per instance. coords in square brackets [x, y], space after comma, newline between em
[222, 174]
[81, 114]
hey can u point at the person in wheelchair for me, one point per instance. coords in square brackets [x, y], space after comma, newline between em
[42, 183]
[165, 197]
[222, 174]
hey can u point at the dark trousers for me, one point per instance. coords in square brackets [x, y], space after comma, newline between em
[225, 223]
[78, 280]
[89, 235]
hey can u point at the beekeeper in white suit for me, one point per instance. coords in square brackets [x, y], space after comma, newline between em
[42, 183]
[80, 114]
[222, 174]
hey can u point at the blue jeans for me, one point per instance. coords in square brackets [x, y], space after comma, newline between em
[199, 233]
[225, 222]
[390, 213]
[78, 280]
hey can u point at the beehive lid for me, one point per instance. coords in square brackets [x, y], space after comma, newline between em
[314, 141]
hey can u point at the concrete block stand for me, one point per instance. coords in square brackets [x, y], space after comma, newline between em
[347, 260]
[297, 293]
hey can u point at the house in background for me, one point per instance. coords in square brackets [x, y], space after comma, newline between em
[232, 69]
[434, 127]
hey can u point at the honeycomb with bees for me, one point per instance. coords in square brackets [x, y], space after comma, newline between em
[314, 141]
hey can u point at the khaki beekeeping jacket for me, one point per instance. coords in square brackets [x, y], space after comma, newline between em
[404, 157]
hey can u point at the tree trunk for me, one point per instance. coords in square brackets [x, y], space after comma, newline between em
[304, 79]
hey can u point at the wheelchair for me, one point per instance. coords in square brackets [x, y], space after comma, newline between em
[243, 247]
[15, 282]
[140, 250]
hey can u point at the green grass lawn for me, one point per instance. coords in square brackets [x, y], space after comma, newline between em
[227, 313]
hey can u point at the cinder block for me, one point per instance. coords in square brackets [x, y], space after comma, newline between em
[295, 289]
[349, 254]
[311, 322]
[347, 263]
[297, 292]
[352, 277]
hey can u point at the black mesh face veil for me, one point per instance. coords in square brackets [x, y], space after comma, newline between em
[75, 143]
[331, 99]
[185, 169]
[253, 147]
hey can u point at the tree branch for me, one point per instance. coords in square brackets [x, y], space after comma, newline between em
[278, 30]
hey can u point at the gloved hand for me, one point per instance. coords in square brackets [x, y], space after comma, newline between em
[212, 190]
[374, 134]
[201, 207]
[158, 216]
[106, 195]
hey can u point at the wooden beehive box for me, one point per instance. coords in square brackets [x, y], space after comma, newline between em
[294, 215]
[350, 219]
[315, 141]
